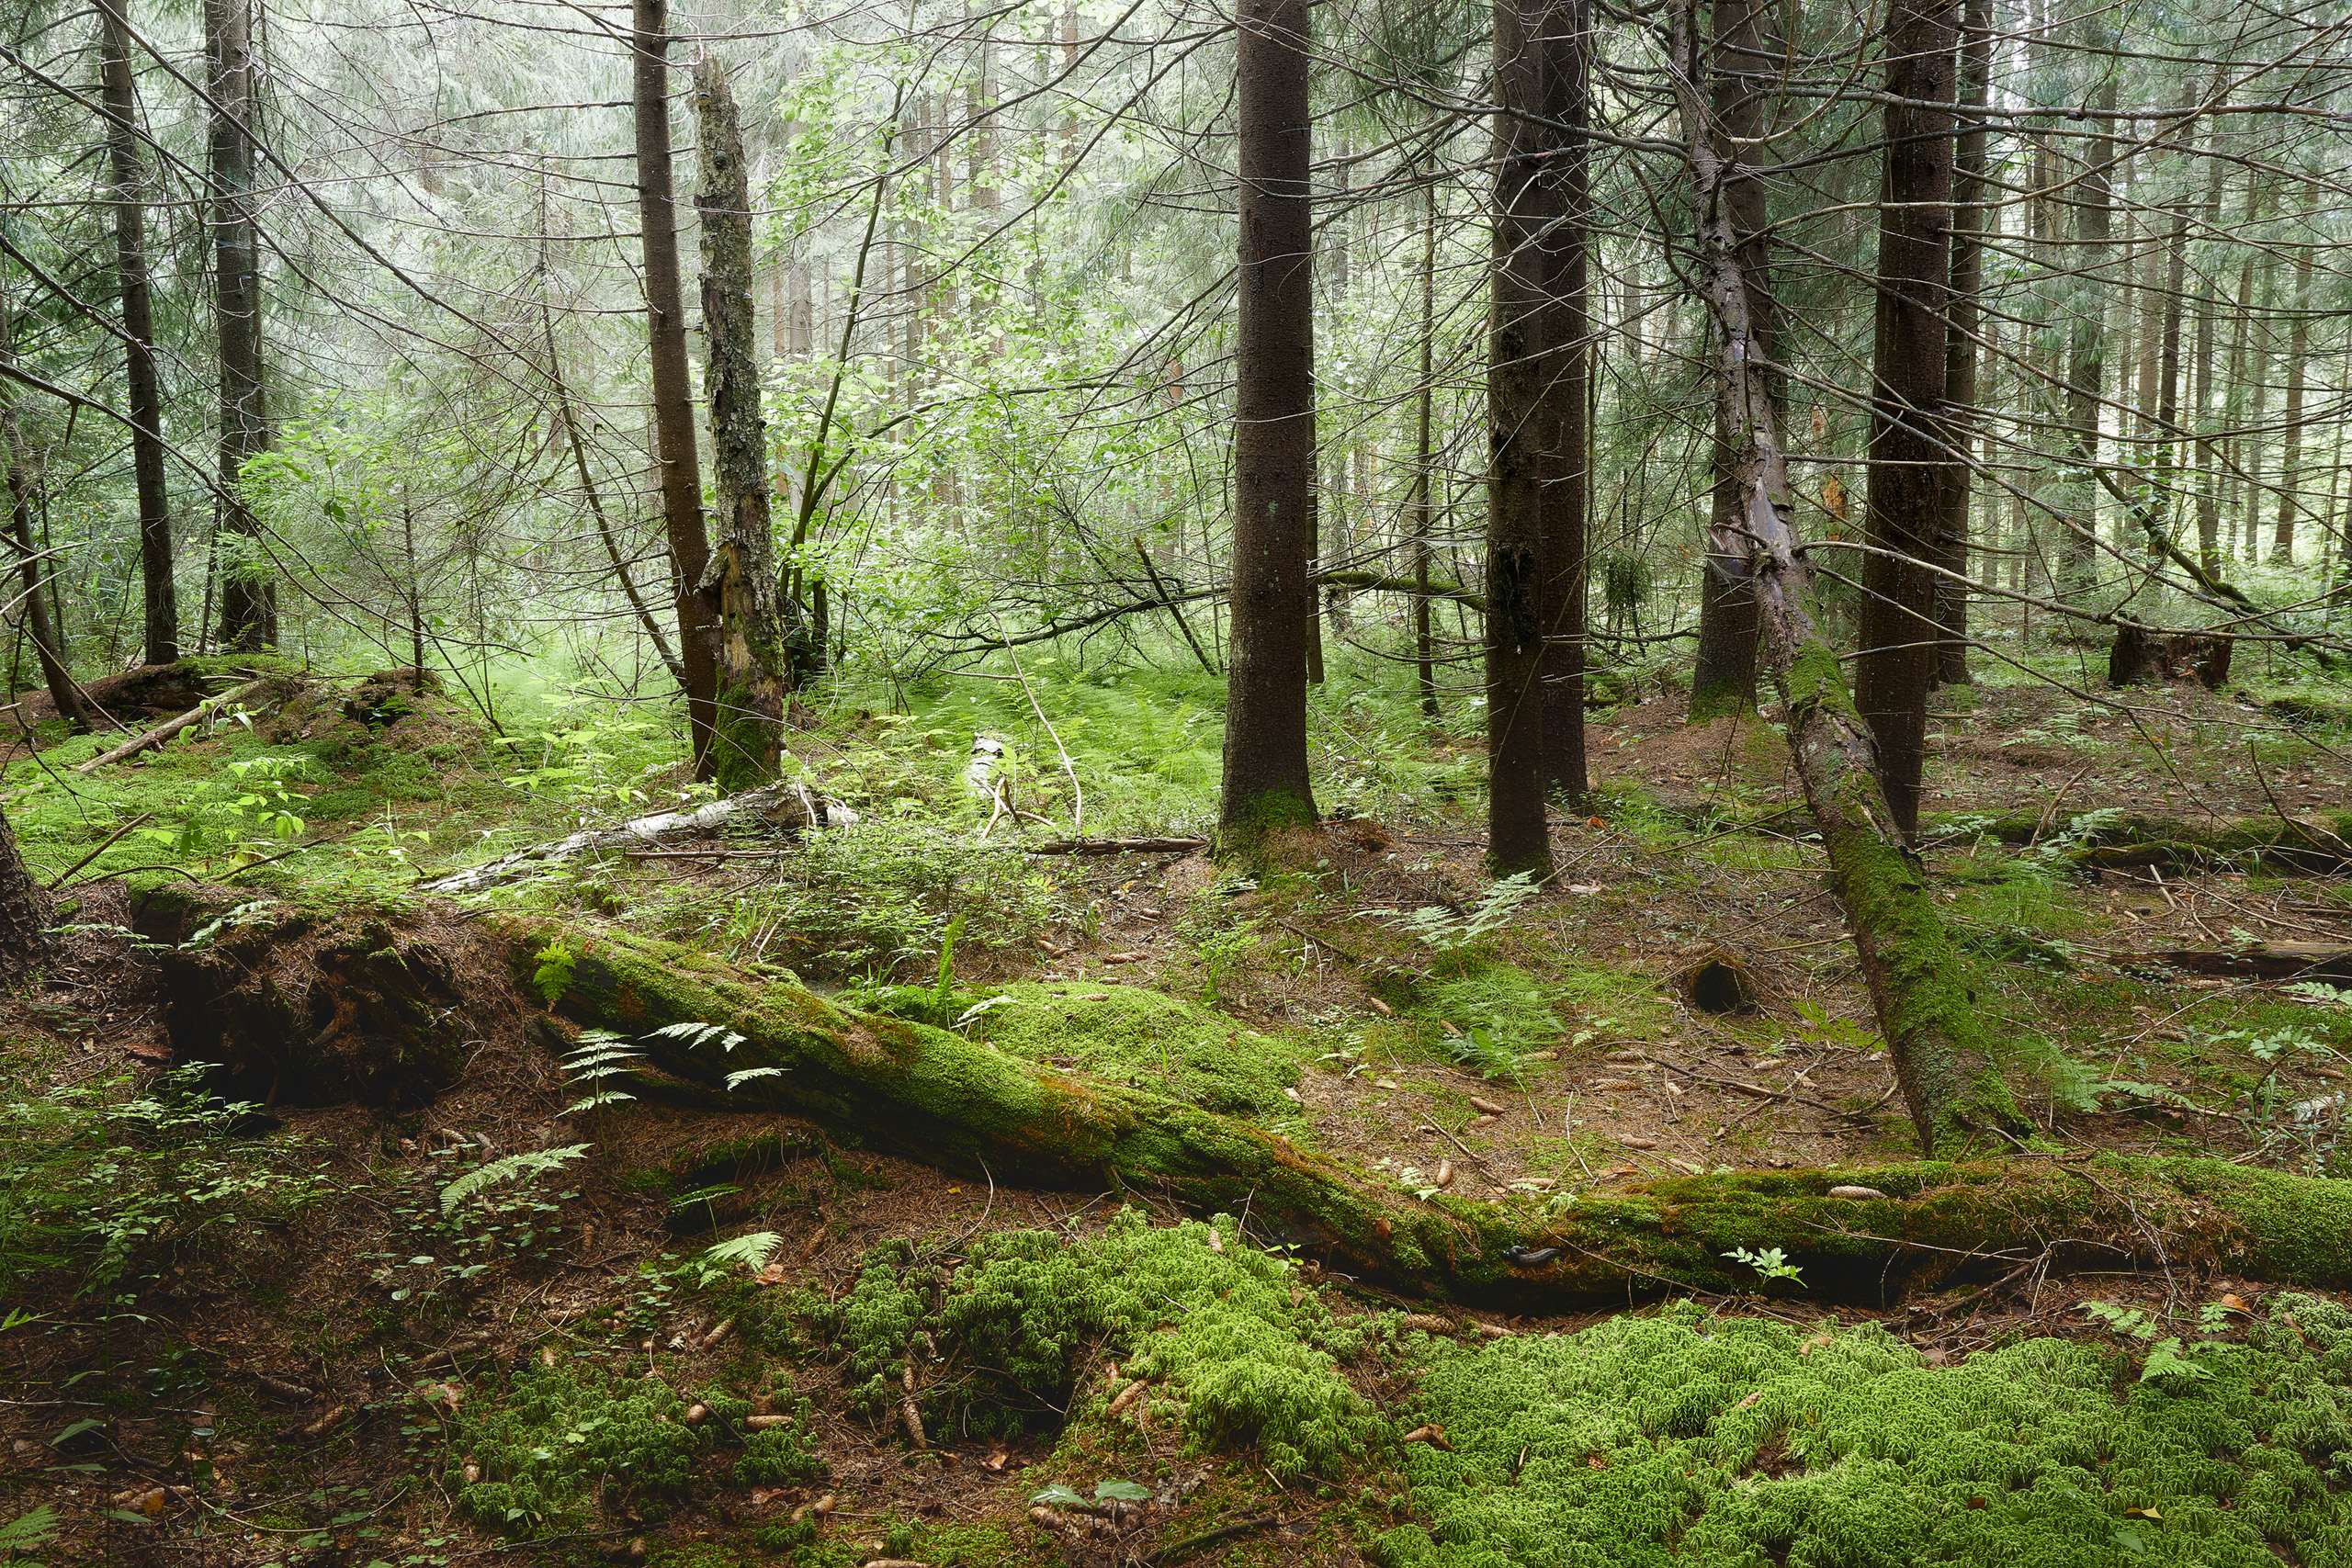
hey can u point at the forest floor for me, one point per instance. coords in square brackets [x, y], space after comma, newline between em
[274, 1336]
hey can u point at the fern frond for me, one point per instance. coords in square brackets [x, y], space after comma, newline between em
[751, 1251]
[737, 1080]
[531, 1162]
[38, 1527]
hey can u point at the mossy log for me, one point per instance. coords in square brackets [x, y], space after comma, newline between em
[2318, 842]
[935, 1096]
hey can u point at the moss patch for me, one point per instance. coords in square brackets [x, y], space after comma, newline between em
[1230, 1349]
[1151, 1040]
[1706, 1442]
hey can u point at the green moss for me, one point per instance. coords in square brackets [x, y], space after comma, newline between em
[1738, 1443]
[1128, 1034]
[1235, 1352]
[558, 1437]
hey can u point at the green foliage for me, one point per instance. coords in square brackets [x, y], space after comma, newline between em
[1501, 1013]
[1447, 932]
[1214, 1331]
[510, 1167]
[553, 975]
[27, 1531]
[1771, 1263]
[558, 1436]
[116, 1184]
[1736, 1443]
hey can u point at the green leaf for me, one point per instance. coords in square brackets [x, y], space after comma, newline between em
[528, 1162]
[1122, 1492]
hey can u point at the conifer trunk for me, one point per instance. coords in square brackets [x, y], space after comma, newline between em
[1961, 390]
[118, 93]
[2093, 201]
[24, 914]
[1909, 459]
[33, 572]
[1722, 679]
[1266, 783]
[738, 588]
[1944, 1054]
[248, 596]
[678, 464]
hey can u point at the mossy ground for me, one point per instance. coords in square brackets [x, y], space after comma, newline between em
[1736, 1443]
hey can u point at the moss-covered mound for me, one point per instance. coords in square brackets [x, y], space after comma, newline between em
[1229, 1348]
[1151, 1040]
[1720, 1443]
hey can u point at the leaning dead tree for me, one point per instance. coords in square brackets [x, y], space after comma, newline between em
[1944, 1057]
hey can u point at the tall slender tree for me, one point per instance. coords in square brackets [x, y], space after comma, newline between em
[119, 96]
[2094, 206]
[1266, 783]
[739, 585]
[1740, 75]
[35, 572]
[1529, 389]
[1567, 470]
[1909, 454]
[248, 592]
[679, 464]
[1950, 587]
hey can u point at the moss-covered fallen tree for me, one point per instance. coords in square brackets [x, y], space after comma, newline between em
[2318, 842]
[935, 1096]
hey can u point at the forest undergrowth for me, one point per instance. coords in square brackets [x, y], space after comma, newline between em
[381, 1253]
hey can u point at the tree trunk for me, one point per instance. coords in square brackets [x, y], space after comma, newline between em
[248, 595]
[2093, 201]
[24, 914]
[1567, 467]
[1266, 783]
[2299, 345]
[1961, 393]
[118, 93]
[34, 572]
[1722, 679]
[1533, 88]
[679, 465]
[1424, 509]
[1944, 1054]
[1910, 463]
[738, 587]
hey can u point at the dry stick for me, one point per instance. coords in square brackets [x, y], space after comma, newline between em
[2056, 800]
[165, 731]
[59, 880]
[1174, 610]
[1192, 1544]
[1078, 807]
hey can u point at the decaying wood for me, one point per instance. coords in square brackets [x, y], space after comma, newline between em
[2316, 841]
[1944, 1055]
[169, 728]
[788, 809]
[2329, 961]
[1117, 846]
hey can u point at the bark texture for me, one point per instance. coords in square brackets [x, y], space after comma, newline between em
[24, 914]
[1567, 44]
[118, 94]
[674, 415]
[1740, 71]
[1910, 462]
[739, 586]
[1527, 461]
[1944, 1055]
[1963, 321]
[248, 594]
[1266, 783]
[33, 570]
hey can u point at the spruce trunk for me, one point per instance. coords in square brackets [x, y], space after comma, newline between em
[1943, 1055]
[1266, 783]
[248, 594]
[739, 586]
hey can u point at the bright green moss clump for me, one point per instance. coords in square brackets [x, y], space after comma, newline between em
[1127, 1034]
[1232, 1349]
[1720, 1443]
[559, 1436]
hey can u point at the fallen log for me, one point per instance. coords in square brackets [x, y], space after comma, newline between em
[2318, 841]
[1117, 846]
[936, 1097]
[788, 809]
[169, 728]
[2264, 961]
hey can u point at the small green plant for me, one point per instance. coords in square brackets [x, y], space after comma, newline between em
[530, 1162]
[1771, 1263]
[553, 975]
[28, 1532]
[1060, 1496]
[597, 1061]
[1445, 932]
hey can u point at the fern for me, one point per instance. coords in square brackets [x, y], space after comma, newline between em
[751, 1251]
[27, 1531]
[599, 1056]
[695, 1033]
[530, 1162]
